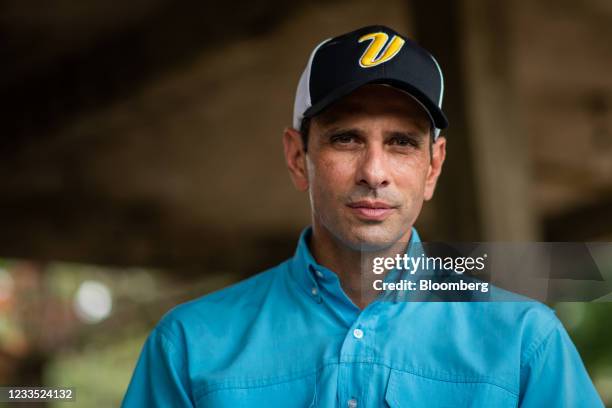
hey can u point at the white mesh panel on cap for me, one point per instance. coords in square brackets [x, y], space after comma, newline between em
[437, 131]
[302, 95]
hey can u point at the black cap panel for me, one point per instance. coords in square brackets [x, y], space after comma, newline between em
[438, 117]
[336, 69]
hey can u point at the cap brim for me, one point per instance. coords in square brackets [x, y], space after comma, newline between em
[434, 112]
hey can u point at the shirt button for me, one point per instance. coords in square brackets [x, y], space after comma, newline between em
[352, 403]
[319, 274]
[358, 333]
[314, 291]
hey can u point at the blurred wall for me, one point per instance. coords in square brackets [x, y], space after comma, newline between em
[150, 133]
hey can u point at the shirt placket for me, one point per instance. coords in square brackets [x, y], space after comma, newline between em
[355, 359]
[356, 353]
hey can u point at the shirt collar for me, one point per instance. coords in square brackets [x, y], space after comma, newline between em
[307, 272]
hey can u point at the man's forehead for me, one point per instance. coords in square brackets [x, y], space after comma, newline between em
[375, 100]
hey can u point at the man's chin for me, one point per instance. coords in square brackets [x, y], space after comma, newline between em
[372, 237]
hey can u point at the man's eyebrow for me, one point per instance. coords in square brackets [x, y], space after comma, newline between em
[337, 130]
[412, 135]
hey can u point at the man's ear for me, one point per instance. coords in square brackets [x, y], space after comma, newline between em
[295, 156]
[438, 154]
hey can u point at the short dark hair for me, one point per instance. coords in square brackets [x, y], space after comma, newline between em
[305, 129]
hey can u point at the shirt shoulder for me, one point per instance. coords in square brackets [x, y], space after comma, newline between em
[217, 310]
[531, 320]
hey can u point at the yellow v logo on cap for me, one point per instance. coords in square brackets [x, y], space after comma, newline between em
[375, 54]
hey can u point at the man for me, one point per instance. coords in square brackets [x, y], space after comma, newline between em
[365, 146]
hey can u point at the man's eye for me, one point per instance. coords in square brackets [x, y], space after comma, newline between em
[343, 139]
[404, 142]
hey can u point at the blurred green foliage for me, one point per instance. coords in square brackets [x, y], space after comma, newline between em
[99, 374]
[589, 326]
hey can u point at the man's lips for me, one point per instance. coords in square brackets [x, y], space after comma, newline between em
[371, 210]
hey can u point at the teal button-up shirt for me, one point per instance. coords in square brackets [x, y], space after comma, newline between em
[290, 337]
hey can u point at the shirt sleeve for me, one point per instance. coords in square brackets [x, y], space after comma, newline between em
[553, 375]
[160, 378]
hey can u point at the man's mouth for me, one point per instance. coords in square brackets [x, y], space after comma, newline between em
[371, 210]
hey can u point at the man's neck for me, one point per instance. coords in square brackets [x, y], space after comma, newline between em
[350, 264]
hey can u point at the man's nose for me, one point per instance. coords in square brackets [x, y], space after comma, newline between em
[372, 171]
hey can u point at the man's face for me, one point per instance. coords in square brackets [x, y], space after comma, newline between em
[368, 168]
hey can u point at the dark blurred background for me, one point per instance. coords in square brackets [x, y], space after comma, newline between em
[141, 159]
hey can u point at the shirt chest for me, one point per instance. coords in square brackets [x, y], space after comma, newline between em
[379, 359]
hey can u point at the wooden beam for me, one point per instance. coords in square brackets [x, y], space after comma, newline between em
[36, 105]
[457, 212]
[485, 188]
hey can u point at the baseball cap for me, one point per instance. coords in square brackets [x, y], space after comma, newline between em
[369, 55]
